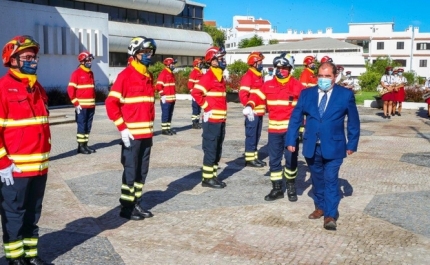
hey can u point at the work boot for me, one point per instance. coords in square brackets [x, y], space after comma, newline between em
[88, 148]
[172, 131]
[222, 182]
[82, 149]
[143, 212]
[213, 183]
[131, 213]
[196, 125]
[253, 163]
[276, 192]
[35, 261]
[17, 261]
[166, 132]
[291, 190]
[261, 162]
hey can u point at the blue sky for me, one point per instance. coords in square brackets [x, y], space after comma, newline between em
[314, 15]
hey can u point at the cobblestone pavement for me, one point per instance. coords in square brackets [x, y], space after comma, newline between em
[384, 212]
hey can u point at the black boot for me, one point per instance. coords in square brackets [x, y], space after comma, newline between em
[196, 125]
[88, 148]
[213, 183]
[261, 162]
[143, 212]
[131, 213]
[82, 149]
[36, 261]
[291, 190]
[17, 261]
[172, 131]
[253, 163]
[166, 132]
[276, 192]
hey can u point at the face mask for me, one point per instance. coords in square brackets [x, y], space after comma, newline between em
[270, 72]
[145, 60]
[259, 68]
[200, 66]
[312, 67]
[88, 65]
[282, 73]
[348, 76]
[222, 64]
[29, 67]
[400, 74]
[172, 67]
[390, 72]
[324, 83]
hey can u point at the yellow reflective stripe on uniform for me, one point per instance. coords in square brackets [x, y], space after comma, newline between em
[169, 84]
[31, 253]
[85, 86]
[33, 166]
[115, 94]
[205, 105]
[246, 88]
[86, 100]
[260, 109]
[274, 176]
[13, 254]
[72, 84]
[137, 99]
[2, 152]
[170, 97]
[138, 185]
[24, 122]
[200, 87]
[141, 131]
[13, 245]
[30, 241]
[207, 168]
[290, 174]
[28, 158]
[258, 93]
[74, 100]
[215, 94]
[127, 197]
[193, 80]
[281, 103]
[119, 121]
[135, 125]
[278, 125]
[125, 187]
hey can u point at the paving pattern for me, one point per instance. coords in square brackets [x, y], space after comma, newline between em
[384, 212]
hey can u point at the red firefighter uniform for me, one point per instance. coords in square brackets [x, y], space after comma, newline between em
[166, 88]
[251, 82]
[195, 75]
[308, 78]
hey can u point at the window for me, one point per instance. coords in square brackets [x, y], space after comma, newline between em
[122, 14]
[423, 63]
[168, 21]
[41, 2]
[143, 17]
[423, 46]
[198, 12]
[159, 20]
[400, 45]
[401, 62]
[379, 45]
[151, 18]
[132, 15]
[90, 7]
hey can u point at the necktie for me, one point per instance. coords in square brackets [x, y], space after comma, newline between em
[323, 102]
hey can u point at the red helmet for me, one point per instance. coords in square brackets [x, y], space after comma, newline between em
[326, 59]
[214, 52]
[255, 57]
[308, 60]
[83, 56]
[197, 61]
[168, 61]
[16, 45]
[339, 67]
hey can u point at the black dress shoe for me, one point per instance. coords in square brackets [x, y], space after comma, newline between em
[143, 212]
[213, 183]
[131, 214]
[261, 162]
[18, 261]
[36, 261]
[253, 163]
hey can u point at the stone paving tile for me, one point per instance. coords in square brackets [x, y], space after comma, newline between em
[383, 215]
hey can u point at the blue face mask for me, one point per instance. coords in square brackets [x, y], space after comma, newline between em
[145, 60]
[312, 67]
[259, 68]
[324, 83]
[29, 67]
[390, 72]
[270, 72]
[400, 73]
[88, 65]
[222, 64]
[172, 67]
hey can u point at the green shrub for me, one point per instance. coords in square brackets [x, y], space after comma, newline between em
[57, 96]
[181, 78]
[237, 68]
[414, 94]
[155, 69]
[297, 72]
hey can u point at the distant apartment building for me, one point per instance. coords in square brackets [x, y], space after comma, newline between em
[410, 48]
[64, 28]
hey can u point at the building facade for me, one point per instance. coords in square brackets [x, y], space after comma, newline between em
[64, 28]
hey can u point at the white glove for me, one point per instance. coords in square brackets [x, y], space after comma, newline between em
[207, 115]
[249, 113]
[78, 109]
[163, 99]
[126, 136]
[6, 174]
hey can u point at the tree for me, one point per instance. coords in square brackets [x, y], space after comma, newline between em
[252, 42]
[370, 79]
[217, 35]
[235, 72]
[273, 41]
[297, 72]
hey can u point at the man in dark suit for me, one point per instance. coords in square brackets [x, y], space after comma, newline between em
[324, 143]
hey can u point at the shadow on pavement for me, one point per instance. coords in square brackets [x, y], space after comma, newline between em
[95, 146]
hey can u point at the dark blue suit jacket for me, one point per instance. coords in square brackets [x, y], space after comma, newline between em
[330, 128]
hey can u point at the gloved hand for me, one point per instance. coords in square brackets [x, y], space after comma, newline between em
[126, 136]
[163, 99]
[6, 174]
[249, 113]
[78, 109]
[207, 115]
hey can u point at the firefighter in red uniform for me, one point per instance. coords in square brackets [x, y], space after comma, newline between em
[195, 76]
[251, 82]
[308, 77]
[83, 96]
[280, 96]
[166, 89]
[130, 105]
[25, 143]
[210, 95]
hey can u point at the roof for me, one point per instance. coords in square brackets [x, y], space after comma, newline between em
[252, 22]
[194, 3]
[315, 44]
[252, 29]
[210, 23]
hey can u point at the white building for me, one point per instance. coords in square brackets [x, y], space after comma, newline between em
[64, 28]
[410, 47]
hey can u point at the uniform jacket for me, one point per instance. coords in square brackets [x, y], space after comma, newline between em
[130, 103]
[308, 78]
[25, 138]
[81, 88]
[279, 100]
[194, 78]
[251, 80]
[330, 128]
[210, 94]
[166, 85]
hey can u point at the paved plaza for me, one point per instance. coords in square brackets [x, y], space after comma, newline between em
[384, 211]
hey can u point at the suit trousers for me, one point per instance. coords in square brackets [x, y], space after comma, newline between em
[325, 182]
[253, 133]
[21, 207]
[213, 138]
